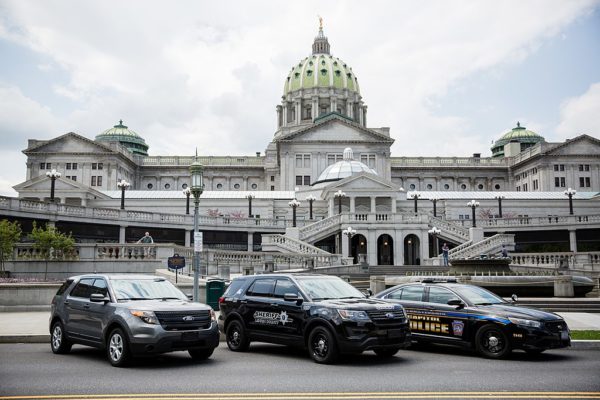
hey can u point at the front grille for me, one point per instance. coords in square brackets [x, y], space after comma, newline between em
[386, 317]
[556, 326]
[183, 320]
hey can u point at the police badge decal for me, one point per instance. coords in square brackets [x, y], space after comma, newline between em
[457, 328]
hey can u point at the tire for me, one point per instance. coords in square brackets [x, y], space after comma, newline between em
[236, 337]
[117, 348]
[386, 353]
[58, 341]
[491, 342]
[201, 354]
[322, 347]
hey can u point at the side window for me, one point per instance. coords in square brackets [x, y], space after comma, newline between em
[440, 295]
[412, 293]
[83, 288]
[64, 287]
[396, 295]
[100, 287]
[234, 287]
[261, 287]
[284, 286]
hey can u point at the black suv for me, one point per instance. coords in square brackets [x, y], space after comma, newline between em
[130, 315]
[471, 316]
[322, 313]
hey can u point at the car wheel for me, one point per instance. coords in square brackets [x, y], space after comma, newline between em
[202, 354]
[58, 341]
[491, 342]
[236, 337]
[118, 348]
[386, 353]
[321, 346]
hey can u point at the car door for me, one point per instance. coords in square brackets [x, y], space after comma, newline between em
[95, 312]
[290, 312]
[445, 322]
[260, 314]
[76, 306]
[411, 298]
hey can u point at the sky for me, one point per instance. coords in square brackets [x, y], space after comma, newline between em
[448, 77]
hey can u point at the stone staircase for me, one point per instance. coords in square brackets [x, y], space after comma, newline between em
[320, 229]
[490, 245]
[449, 230]
[286, 244]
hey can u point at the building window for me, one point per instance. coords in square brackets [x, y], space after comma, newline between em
[429, 186]
[298, 180]
[559, 182]
[584, 167]
[184, 186]
[368, 159]
[99, 181]
[446, 186]
[94, 165]
[254, 186]
[150, 186]
[480, 186]
[497, 186]
[100, 165]
[272, 178]
[167, 186]
[302, 160]
[536, 186]
[236, 186]
[412, 186]
[74, 165]
[93, 181]
[559, 167]
[333, 158]
[463, 186]
[307, 180]
[68, 165]
[219, 186]
[272, 188]
[525, 187]
[45, 166]
[584, 181]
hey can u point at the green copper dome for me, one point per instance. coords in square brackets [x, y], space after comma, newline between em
[128, 138]
[321, 70]
[520, 134]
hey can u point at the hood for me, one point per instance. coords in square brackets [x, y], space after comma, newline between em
[168, 305]
[509, 310]
[365, 304]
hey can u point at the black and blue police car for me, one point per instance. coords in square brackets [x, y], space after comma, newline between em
[448, 312]
[322, 313]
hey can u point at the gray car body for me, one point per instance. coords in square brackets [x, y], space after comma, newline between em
[89, 322]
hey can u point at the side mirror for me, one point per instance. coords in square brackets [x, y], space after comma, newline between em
[190, 296]
[456, 302]
[368, 293]
[99, 298]
[293, 297]
[514, 298]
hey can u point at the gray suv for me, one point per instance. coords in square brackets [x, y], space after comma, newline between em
[130, 315]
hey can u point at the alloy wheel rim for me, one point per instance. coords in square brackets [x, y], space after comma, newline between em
[493, 342]
[235, 338]
[320, 345]
[56, 337]
[116, 347]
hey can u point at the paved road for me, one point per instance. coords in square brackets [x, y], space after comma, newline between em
[32, 369]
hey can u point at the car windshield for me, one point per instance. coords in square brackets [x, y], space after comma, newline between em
[478, 296]
[328, 288]
[146, 289]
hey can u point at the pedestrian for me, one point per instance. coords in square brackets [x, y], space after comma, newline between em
[146, 239]
[504, 251]
[445, 250]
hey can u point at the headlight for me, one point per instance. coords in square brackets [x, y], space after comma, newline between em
[213, 316]
[525, 322]
[353, 315]
[146, 316]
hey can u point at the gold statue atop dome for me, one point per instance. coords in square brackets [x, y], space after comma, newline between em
[320, 22]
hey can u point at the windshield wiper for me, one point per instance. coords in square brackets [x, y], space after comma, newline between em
[166, 298]
[485, 304]
[135, 298]
[321, 298]
[351, 297]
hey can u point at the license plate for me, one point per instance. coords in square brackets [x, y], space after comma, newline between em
[564, 335]
[189, 336]
[395, 333]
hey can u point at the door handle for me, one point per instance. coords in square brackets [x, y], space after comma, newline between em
[66, 302]
[243, 301]
[274, 305]
[86, 306]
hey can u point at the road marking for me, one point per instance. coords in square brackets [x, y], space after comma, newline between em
[321, 396]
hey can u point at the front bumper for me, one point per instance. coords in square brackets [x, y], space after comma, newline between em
[153, 339]
[539, 339]
[353, 339]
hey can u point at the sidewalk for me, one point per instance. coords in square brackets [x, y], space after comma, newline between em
[32, 327]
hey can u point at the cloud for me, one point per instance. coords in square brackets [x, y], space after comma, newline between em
[579, 115]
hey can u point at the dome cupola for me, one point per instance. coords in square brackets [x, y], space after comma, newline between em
[519, 134]
[343, 169]
[127, 137]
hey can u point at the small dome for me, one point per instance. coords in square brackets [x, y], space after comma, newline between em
[519, 134]
[127, 137]
[343, 169]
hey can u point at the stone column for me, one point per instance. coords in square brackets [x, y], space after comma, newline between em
[84, 202]
[298, 107]
[573, 240]
[345, 245]
[350, 109]
[424, 247]
[250, 241]
[372, 246]
[187, 240]
[333, 104]
[352, 204]
[122, 234]
[278, 108]
[285, 114]
[360, 115]
[331, 207]
[315, 107]
[365, 116]
[398, 248]
[394, 207]
[373, 204]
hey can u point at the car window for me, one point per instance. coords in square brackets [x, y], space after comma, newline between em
[412, 293]
[83, 288]
[64, 287]
[395, 295]
[261, 287]
[234, 288]
[440, 295]
[284, 286]
[100, 287]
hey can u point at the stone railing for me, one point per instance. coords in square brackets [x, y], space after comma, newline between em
[459, 248]
[449, 227]
[29, 252]
[483, 246]
[400, 162]
[318, 226]
[186, 161]
[554, 260]
[532, 221]
[95, 252]
[291, 245]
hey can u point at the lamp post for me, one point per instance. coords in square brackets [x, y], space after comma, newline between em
[294, 204]
[339, 195]
[123, 185]
[187, 192]
[415, 197]
[434, 200]
[196, 170]
[310, 200]
[52, 175]
[570, 192]
[473, 204]
[499, 197]
[349, 232]
[250, 196]
[435, 232]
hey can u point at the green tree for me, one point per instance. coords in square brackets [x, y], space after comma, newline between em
[52, 243]
[10, 233]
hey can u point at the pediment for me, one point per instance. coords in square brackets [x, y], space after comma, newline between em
[42, 184]
[581, 145]
[68, 143]
[362, 183]
[336, 130]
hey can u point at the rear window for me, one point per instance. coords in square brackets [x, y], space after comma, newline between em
[83, 288]
[64, 287]
[234, 288]
[261, 287]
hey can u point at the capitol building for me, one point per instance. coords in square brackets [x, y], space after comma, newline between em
[324, 154]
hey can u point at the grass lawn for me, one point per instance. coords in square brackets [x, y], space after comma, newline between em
[585, 335]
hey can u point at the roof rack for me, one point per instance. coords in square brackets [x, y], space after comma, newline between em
[438, 280]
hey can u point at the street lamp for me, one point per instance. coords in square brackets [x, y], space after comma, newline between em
[570, 192]
[435, 232]
[499, 197]
[123, 185]
[434, 200]
[310, 200]
[197, 188]
[52, 175]
[349, 232]
[294, 204]
[339, 195]
[187, 192]
[416, 196]
[473, 204]
[250, 196]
